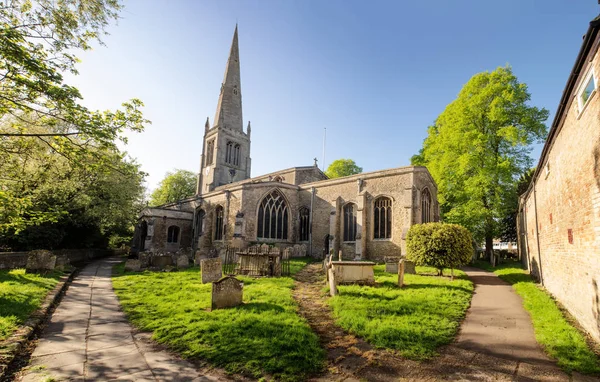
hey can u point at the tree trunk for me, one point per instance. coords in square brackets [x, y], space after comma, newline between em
[489, 249]
[451, 274]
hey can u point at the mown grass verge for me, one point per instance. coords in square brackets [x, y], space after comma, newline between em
[263, 337]
[21, 294]
[414, 320]
[560, 340]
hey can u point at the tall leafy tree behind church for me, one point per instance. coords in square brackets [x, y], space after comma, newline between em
[342, 167]
[176, 185]
[478, 148]
[39, 41]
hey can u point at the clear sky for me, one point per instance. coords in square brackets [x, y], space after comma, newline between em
[374, 73]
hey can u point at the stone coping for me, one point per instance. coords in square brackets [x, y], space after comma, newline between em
[353, 263]
[10, 347]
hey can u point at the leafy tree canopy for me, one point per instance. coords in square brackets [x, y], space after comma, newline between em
[176, 185]
[38, 44]
[342, 167]
[479, 146]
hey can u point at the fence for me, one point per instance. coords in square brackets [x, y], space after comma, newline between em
[257, 261]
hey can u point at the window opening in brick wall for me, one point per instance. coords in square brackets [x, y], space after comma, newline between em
[586, 90]
[304, 223]
[273, 217]
[382, 214]
[219, 223]
[349, 222]
[172, 234]
[425, 206]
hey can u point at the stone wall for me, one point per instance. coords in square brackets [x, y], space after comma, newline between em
[13, 260]
[562, 213]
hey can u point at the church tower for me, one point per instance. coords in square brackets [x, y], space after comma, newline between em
[226, 148]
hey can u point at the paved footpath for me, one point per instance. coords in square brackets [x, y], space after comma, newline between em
[88, 339]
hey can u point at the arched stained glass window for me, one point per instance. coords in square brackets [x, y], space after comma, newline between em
[173, 234]
[304, 224]
[382, 218]
[349, 222]
[425, 206]
[219, 223]
[273, 217]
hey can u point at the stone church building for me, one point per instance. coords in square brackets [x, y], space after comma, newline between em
[366, 216]
[559, 217]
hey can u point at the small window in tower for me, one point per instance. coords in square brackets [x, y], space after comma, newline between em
[210, 149]
[235, 91]
[229, 153]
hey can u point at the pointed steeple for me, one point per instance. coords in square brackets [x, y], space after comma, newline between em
[207, 125]
[229, 108]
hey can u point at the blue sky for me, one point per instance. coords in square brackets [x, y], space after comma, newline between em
[374, 73]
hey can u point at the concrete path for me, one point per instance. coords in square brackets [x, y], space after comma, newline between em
[497, 324]
[88, 339]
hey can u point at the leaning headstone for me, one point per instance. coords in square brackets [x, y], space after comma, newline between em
[40, 261]
[332, 284]
[183, 261]
[162, 261]
[227, 293]
[133, 265]
[409, 267]
[211, 270]
[391, 264]
[401, 265]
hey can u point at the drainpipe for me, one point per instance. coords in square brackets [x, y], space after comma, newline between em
[310, 220]
[537, 233]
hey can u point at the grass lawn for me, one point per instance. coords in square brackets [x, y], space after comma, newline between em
[263, 337]
[557, 336]
[20, 295]
[414, 320]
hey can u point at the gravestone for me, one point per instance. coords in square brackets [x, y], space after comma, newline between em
[303, 250]
[133, 266]
[401, 265]
[211, 270]
[409, 268]
[391, 264]
[161, 261]
[144, 258]
[227, 293]
[332, 284]
[40, 260]
[183, 261]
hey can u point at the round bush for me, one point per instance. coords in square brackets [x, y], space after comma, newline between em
[439, 245]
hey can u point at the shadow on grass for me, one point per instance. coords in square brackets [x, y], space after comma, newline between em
[259, 307]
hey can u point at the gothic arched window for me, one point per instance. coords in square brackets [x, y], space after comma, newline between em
[349, 222]
[210, 149]
[219, 223]
[425, 206]
[304, 223]
[382, 216]
[273, 217]
[229, 153]
[199, 228]
[172, 234]
[236, 155]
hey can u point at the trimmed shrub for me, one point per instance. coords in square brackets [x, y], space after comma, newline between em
[439, 245]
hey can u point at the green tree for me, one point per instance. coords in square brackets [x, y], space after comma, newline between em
[508, 224]
[477, 149]
[38, 44]
[439, 245]
[342, 167]
[176, 185]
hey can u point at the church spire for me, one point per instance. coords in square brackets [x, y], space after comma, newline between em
[229, 108]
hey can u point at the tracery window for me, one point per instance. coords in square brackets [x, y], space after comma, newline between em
[304, 223]
[200, 222]
[172, 234]
[425, 206]
[210, 149]
[349, 222]
[229, 153]
[236, 155]
[273, 217]
[219, 223]
[382, 216]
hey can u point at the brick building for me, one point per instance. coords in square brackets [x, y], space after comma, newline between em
[559, 219]
[365, 215]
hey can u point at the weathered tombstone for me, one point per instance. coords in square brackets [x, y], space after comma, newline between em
[144, 258]
[340, 256]
[401, 264]
[211, 269]
[409, 268]
[303, 250]
[326, 262]
[333, 290]
[133, 265]
[40, 260]
[227, 293]
[183, 261]
[161, 261]
[391, 264]
[213, 253]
